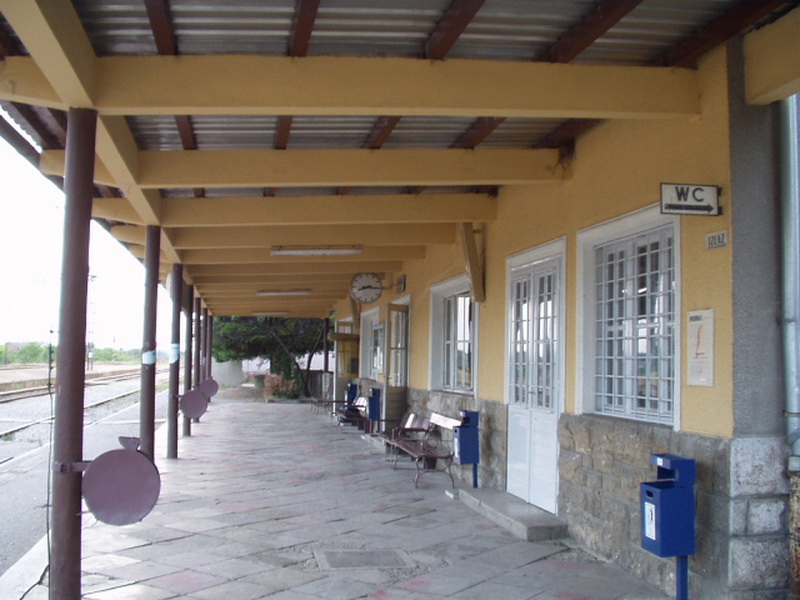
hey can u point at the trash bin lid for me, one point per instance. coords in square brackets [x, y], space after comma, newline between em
[121, 487]
[194, 404]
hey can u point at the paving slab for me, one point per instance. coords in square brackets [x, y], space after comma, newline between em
[273, 501]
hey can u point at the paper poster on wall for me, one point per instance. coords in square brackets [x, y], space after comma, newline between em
[700, 347]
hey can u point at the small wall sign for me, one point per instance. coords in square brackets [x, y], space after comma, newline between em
[700, 347]
[689, 199]
[716, 240]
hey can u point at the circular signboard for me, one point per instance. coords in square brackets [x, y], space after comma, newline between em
[194, 404]
[121, 486]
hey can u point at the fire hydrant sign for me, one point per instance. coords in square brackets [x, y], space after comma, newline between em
[689, 199]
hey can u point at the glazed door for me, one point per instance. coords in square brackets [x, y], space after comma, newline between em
[535, 394]
[394, 404]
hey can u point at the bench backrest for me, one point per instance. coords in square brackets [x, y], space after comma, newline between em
[443, 421]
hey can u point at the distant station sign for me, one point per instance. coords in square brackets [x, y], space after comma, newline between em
[689, 199]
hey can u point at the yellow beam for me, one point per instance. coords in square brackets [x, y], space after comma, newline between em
[119, 153]
[115, 209]
[131, 234]
[280, 279]
[55, 39]
[325, 168]
[261, 255]
[197, 85]
[772, 70]
[295, 268]
[473, 262]
[394, 208]
[51, 162]
[266, 236]
[294, 168]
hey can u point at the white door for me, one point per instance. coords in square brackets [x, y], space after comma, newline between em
[395, 388]
[535, 382]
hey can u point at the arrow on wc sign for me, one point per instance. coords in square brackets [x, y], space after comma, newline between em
[689, 199]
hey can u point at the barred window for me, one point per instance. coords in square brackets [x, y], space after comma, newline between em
[457, 353]
[634, 323]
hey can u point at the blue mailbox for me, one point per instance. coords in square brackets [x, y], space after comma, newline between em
[466, 447]
[374, 404]
[668, 513]
[352, 393]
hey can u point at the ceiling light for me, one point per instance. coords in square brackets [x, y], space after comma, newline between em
[284, 293]
[270, 313]
[315, 250]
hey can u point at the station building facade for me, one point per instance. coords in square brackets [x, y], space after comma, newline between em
[611, 331]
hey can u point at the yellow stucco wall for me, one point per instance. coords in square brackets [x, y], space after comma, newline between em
[617, 168]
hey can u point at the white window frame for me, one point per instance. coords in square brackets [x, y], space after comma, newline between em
[589, 239]
[439, 295]
[555, 250]
[370, 323]
[400, 379]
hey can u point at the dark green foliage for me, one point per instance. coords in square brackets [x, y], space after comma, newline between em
[281, 340]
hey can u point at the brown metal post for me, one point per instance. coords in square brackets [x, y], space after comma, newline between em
[206, 352]
[176, 285]
[65, 548]
[326, 327]
[147, 396]
[209, 346]
[198, 336]
[187, 368]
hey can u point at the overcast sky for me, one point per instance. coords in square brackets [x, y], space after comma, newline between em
[31, 224]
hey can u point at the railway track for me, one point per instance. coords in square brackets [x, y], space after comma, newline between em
[28, 392]
[88, 408]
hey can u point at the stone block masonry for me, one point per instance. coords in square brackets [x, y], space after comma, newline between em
[741, 503]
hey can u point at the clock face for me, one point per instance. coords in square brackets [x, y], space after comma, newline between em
[365, 287]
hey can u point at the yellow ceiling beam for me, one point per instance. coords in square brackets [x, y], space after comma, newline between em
[321, 85]
[324, 168]
[116, 209]
[56, 40]
[393, 208]
[298, 279]
[266, 236]
[51, 162]
[251, 290]
[130, 234]
[296, 168]
[261, 255]
[363, 86]
[772, 70]
[296, 268]
[321, 313]
[119, 153]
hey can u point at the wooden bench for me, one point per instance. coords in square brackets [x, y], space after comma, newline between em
[411, 427]
[355, 413]
[430, 449]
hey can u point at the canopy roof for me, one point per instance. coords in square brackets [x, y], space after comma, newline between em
[377, 126]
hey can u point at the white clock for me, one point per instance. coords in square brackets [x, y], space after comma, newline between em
[365, 287]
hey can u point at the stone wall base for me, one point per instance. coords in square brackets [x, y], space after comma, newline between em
[493, 426]
[741, 504]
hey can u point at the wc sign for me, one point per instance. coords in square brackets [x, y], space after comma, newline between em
[689, 199]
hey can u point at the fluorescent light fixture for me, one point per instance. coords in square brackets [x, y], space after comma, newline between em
[315, 250]
[271, 313]
[284, 293]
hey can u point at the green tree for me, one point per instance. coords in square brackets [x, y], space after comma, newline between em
[281, 340]
[32, 353]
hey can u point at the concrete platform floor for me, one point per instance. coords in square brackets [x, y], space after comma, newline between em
[269, 500]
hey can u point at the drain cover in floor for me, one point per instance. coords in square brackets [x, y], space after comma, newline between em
[362, 559]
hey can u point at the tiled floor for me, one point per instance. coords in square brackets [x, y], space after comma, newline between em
[266, 500]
